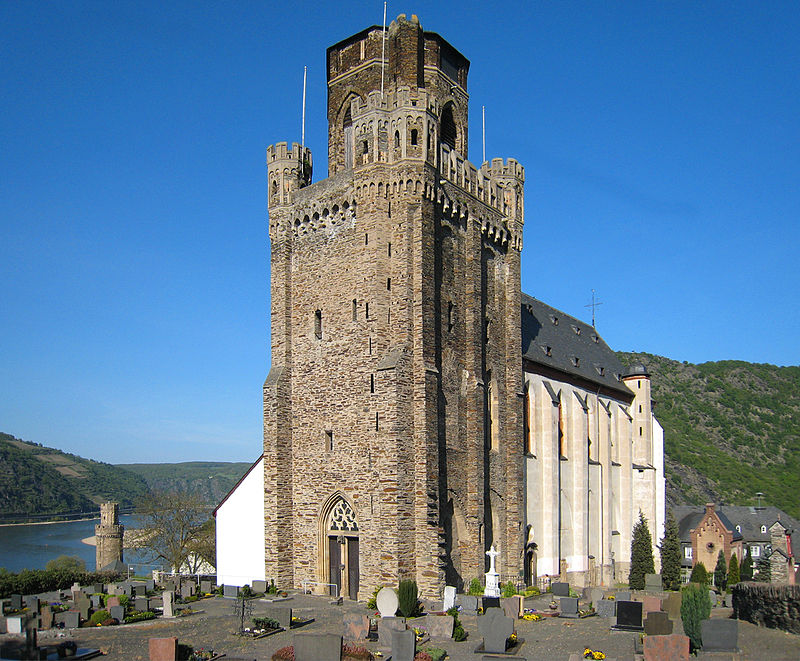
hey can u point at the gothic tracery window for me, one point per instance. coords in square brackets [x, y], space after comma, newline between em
[342, 517]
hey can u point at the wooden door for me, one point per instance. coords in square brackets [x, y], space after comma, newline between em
[352, 567]
[335, 556]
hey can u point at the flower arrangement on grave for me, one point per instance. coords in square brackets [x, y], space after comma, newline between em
[353, 652]
[530, 616]
[202, 655]
[511, 640]
[553, 605]
[262, 625]
[480, 610]
[420, 633]
[422, 656]
[284, 654]
[436, 653]
[589, 653]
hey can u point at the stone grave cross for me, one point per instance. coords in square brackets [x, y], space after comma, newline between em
[492, 588]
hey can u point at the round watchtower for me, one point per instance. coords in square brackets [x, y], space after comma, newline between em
[288, 170]
[108, 535]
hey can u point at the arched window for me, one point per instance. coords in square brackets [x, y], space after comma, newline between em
[342, 517]
[397, 139]
[414, 136]
[347, 127]
[449, 131]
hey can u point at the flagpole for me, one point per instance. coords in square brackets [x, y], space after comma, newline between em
[303, 128]
[383, 48]
[483, 114]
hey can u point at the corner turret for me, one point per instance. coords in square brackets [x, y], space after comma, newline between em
[288, 170]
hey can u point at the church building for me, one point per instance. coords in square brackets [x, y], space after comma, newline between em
[419, 409]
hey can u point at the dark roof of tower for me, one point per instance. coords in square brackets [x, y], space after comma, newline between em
[558, 341]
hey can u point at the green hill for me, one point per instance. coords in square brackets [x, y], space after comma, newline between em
[211, 480]
[37, 481]
[731, 429]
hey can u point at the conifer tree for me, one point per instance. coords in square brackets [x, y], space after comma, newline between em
[641, 554]
[699, 574]
[695, 607]
[671, 554]
[746, 570]
[721, 572]
[733, 570]
[764, 571]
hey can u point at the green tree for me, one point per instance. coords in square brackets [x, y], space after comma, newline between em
[66, 563]
[699, 574]
[721, 572]
[746, 570]
[671, 554]
[733, 571]
[172, 528]
[695, 607]
[641, 554]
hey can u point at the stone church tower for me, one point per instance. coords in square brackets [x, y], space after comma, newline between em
[108, 536]
[392, 409]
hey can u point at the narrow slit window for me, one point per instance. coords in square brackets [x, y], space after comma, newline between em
[329, 440]
[366, 310]
[366, 239]
[318, 324]
[389, 284]
[355, 310]
[640, 431]
[372, 383]
[397, 139]
[377, 424]
[389, 247]
[450, 320]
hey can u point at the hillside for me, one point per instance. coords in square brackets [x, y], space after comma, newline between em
[211, 480]
[37, 481]
[731, 429]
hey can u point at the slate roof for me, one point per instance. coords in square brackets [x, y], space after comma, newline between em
[556, 340]
[749, 519]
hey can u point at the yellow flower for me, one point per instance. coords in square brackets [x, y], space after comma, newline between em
[598, 655]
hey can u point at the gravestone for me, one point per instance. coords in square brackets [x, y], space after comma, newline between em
[150, 585]
[83, 606]
[652, 582]
[728, 600]
[112, 601]
[230, 591]
[387, 602]
[187, 590]
[468, 603]
[256, 586]
[720, 635]
[629, 616]
[317, 647]
[495, 629]
[168, 604]
[205, 587]
[67, 619]
[140, 604]
[163, 649]
[623, 595]
[97, 601]
[76, 587]
[672, 605]
[560, 589]
[16, 602]
[94, 588]
[51, 597]
[490, 602]
[569, 607]
[118, 613]
[712, 595]
[674, 647]
[657, 623]
[15, 624]
[650, 603]
[356, 626]
[449, 597]
[47, 616]
[386, 625]
[31, 602]
[155, 602]
[512, 606]
[606, 608]
[282, 615]
[440, 626]
[596, 595]
[404, 645]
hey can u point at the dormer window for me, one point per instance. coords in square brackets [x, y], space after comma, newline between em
[554, 319]
[739, 529]
[576, 361]
[595, 338]
[600, 370]
[576, 329]
[763, 530]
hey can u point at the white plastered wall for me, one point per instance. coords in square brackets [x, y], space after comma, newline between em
[240, 531]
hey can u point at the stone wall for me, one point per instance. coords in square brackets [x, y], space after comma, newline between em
[777, 607]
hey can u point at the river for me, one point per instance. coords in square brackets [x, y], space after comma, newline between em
[31, 546]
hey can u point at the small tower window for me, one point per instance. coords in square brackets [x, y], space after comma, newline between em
[355, 310]
[372, 383]
[450, 321]
[397, 139]
[414, 136]
[329, 440]
[365, 147]
[388, 284]
[389, 249]
[318, 324]
[449, 131]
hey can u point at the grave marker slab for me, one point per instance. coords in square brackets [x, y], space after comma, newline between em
[15, 624]
[652, 582]
[440, 626]
[623, 595]
[490, 602]
[606, 608]
[596, 595]
[155, 602]
[256, 586]
[720, 635]
[512, 606]
[187, 590]
[97, 601]
[657, 623]
[712, 595]
[230, 591]
[404, 645]
[629, 616]
[47, 617]
[205, 587]
[163, 649]
[385, 627]
[672, 605]
[150, 585]
[67, 619]
[317, 647]
[495, 629]
[118, 613]
[16, 602]
[112, 601]
[168, 604]
[650, 604]
[282, 615]
[560, 589]
[387, 602]
[468, 602]
[31, 602]
[674, 647]
[569, 607]
[728, 600]
[140, 604]
[356, 626]
[449, 597]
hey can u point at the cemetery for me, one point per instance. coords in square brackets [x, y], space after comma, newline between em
[143, 620]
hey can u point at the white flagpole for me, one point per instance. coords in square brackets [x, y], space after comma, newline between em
[383, 47]
[303, 128]
[483, 114]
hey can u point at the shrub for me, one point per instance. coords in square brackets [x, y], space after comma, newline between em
[284, 654]
[532, 591]
[699, 574]
[721, 572]
[98, 618]
[140, 617]
[272, 589]
[372, 602]
[265, 623]
[509, 589]
[458, 631]
[733, 571]
[356, 652]
[407, 593]
[475, 587]
[245, 592]
[746, 569]
[66, 563]
[695, 607]
[422, 656]
[436, 653]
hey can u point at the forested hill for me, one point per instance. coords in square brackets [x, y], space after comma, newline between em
[37, 481]
[731, 429]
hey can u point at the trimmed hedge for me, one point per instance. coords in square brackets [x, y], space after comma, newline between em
[34, 581]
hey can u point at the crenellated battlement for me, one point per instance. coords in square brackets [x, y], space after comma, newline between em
[282, 152]
[288, 170]
[497, 168]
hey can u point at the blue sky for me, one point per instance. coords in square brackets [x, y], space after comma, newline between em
[660, 141]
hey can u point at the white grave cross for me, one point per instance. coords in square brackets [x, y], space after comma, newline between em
[492, 588]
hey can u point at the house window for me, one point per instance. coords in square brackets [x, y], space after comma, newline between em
[755, 551]
[687, 552]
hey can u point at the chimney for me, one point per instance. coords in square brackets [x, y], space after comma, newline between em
[709, 508]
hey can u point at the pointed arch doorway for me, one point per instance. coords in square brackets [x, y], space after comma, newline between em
[340, 547]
